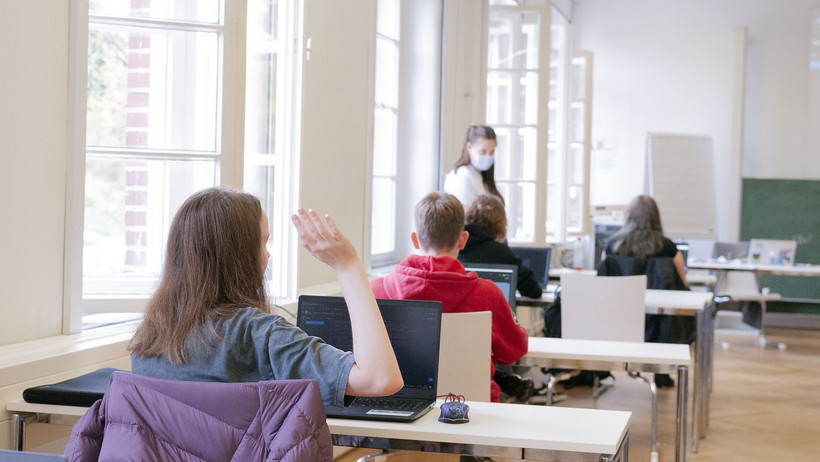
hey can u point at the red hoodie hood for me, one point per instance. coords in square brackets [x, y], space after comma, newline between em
[424, 277]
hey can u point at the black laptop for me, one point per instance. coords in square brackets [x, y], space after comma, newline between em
[538, 260]
[504, 276]
[414, 329]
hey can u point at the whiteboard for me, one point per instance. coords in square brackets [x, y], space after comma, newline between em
[680, 177]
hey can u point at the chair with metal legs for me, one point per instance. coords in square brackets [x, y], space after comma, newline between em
[607, 308]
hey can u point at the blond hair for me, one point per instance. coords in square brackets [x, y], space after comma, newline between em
[439, 221]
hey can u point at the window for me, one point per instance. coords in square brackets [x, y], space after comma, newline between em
[153, 135]
[542, 164]
[271, 108]
[385, 128]
[151, 98]
[516, 93]
[569, 135]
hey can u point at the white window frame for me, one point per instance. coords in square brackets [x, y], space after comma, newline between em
[569, 95]
[228, 155]
[391, 256]
[540, 7]
[283, 245]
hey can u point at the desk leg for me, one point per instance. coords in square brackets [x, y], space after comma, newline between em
[622, 455]
[20, 424]
[680, 417]
[709, 319]
[699, 385]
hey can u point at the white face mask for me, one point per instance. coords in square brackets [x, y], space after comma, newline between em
[481, 162]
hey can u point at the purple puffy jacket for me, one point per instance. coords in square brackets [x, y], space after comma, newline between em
[148, 419]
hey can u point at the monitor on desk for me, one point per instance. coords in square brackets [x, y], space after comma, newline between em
[504, 276]
[537, 259]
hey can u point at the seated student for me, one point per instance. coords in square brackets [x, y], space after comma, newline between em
[436, 274]
[210, 320]
[642, 237]
[486, 222]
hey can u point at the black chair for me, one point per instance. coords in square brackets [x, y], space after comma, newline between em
[80, 391]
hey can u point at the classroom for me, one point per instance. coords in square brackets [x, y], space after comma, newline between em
[357, 109]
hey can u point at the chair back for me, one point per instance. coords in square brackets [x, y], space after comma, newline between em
[603, 308]
[159, 419]
[464, 355]
[660, 272]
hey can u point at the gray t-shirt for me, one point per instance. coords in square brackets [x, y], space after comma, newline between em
[257, 346]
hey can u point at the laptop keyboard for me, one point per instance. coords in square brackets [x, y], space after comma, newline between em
[389, 403]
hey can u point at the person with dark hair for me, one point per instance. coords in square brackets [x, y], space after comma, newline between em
[209, 319]
[436, 274]
[474, 172]
[642, 237]
[486, 222]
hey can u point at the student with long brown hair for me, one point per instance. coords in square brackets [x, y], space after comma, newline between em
[642, 235]
[209, 319]
[474, 172]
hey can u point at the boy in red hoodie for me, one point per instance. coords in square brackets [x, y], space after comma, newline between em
[436, 274]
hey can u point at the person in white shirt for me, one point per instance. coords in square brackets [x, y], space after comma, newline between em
[474, 171]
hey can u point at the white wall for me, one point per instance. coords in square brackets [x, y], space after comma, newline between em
[419, 108]
[464, 80]
[336, 107]
[668, 66]
[33, 95]
[781, 123]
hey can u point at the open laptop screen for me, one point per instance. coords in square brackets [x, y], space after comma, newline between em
[537, 259]
[504, 276]
[413, 327]
[772, 251]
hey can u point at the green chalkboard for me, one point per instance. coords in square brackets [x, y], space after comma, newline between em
[785, 209]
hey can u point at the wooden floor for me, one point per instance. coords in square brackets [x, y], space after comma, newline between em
[765, 405]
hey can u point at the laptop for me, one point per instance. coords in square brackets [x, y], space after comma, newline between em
[538, 260]
[504, 276]
[414, 329]
[771, 252]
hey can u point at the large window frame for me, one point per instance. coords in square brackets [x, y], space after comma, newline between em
[521, 167]
[270, 166]
[227, 155]
[547, 197]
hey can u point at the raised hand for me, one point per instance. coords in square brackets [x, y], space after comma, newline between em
[324, 240]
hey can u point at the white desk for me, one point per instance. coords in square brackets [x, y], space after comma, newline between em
[684, 303]
[555, 273]
[664, 301]
[495, 430]
[693, 279]
[627, 356]
[501, 430]
[700, 279]
[722, 268]
[788, 270]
